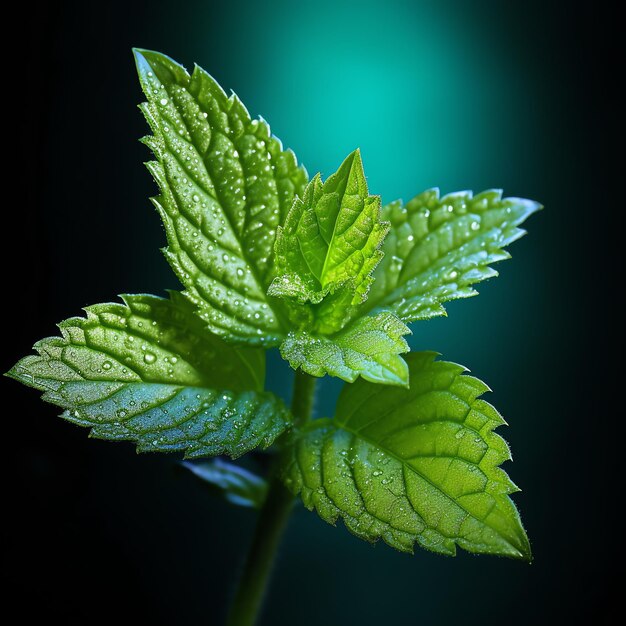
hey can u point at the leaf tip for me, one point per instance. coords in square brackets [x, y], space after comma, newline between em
[357, 160]
[141, 62]
[143, 56]
[530, 206]
[524, 551]
[517, 542]
[13, 373]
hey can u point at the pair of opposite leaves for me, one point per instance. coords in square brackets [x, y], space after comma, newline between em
[318, 269]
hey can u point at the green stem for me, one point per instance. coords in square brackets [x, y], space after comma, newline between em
[271, 524]
[303, 394]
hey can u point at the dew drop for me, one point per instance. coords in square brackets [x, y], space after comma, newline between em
[240, 272]
[196, 197]
[163, 101]
[148, 357]
[107, 365]
[475, 226]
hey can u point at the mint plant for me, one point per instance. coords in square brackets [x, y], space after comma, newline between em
[269, 258]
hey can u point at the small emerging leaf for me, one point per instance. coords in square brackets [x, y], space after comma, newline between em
[438, 247]
[413, 465]
[226, 184]
[330, 241]
[148, 372]
[370, 347]
[238, 485]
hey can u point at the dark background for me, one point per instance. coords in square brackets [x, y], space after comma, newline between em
[456, 94]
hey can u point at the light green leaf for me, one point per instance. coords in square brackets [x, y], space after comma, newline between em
[226, 184]
[330, 240]
[148, 372]
[438, 247]
[413, 465]
[238, 485]
[369, 347]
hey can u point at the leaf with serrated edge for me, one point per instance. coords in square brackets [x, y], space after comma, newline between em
[330, 240]
[235, 483]
[150, 373]
[413, 465]
[438, 247]
[226, 184]
[370, 347]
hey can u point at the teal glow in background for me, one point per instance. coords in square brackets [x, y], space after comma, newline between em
[424, 89]
[460, 95]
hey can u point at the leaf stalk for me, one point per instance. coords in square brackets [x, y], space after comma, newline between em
[271, 524]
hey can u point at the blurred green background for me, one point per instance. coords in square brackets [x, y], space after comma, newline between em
[460, 95]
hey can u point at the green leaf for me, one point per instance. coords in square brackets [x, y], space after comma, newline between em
[413, 465]
[238, 485]
[369, 347]
[226, 184]
[438, 247]
[330, 240]
[149, 372]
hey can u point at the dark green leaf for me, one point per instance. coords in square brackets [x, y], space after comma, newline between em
[438, 247]
[226, 184]
[413, 465]
[148, 372]
[370, 347]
